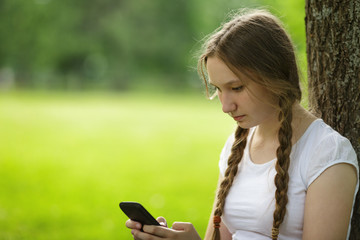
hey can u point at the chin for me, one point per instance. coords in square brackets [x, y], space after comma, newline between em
[245, 125]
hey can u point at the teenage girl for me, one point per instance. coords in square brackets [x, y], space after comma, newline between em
[284, 174]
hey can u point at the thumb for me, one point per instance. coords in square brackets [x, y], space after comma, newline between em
[162, 221]
[182, 226]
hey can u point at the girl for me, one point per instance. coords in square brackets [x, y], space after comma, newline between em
[284, 174]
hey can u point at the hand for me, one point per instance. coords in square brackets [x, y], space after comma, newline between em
[136, 225]
[179, 231]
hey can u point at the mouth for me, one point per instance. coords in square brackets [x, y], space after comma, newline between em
[239, 118]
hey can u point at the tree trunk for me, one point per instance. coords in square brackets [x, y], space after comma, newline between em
[333, 53]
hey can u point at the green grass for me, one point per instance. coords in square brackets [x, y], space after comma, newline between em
[67, 160]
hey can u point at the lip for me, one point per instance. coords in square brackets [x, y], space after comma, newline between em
[239, 118]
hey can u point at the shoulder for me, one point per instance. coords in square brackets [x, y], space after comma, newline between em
[325, 147]
[321, 139]
[326, 141]
[319, 131]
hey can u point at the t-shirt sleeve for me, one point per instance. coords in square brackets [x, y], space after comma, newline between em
[225, 153]
[331, 150]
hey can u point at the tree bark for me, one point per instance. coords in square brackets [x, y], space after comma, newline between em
[333, 55]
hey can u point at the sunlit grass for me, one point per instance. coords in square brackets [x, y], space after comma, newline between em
[67, 160]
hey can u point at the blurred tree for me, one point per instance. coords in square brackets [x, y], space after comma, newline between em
[111, 44]
[334, 72]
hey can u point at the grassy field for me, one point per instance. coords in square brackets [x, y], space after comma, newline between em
[67, 160]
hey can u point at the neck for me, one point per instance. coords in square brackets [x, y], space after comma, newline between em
[301, 121]
[268, 131]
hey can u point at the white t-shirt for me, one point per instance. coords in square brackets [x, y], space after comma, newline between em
[250, 204]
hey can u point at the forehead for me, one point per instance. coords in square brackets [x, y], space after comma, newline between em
[220, 74]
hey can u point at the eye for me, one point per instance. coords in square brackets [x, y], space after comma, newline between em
[237, 88]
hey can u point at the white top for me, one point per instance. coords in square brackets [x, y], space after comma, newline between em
[250, 204]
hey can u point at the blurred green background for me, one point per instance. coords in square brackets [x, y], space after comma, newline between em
[100, 103]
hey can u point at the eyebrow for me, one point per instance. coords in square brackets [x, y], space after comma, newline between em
[228, 83]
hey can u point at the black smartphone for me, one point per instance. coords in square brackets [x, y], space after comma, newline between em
[136, 212]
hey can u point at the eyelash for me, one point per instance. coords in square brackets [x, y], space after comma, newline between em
[237, 88]
[214, 88]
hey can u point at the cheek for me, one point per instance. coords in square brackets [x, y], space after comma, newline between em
[244, 98]
[250, 101]
[267, 112]
[263, 97]
[262, 106]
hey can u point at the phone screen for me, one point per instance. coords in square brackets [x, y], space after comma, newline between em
[136, 212]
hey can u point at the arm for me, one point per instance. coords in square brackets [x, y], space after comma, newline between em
[329, 202]
[224, 232]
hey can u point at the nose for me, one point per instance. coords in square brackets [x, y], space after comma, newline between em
[227, 102]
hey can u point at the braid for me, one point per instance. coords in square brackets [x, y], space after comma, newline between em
[231, 171]
[282, 165]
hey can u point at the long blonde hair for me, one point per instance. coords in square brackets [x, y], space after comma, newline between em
[255, 41]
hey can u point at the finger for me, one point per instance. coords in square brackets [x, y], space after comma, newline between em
[162, 221]
[138, 235]
[182, 226]
[160, 232]
[132, 224]
[132, 233]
